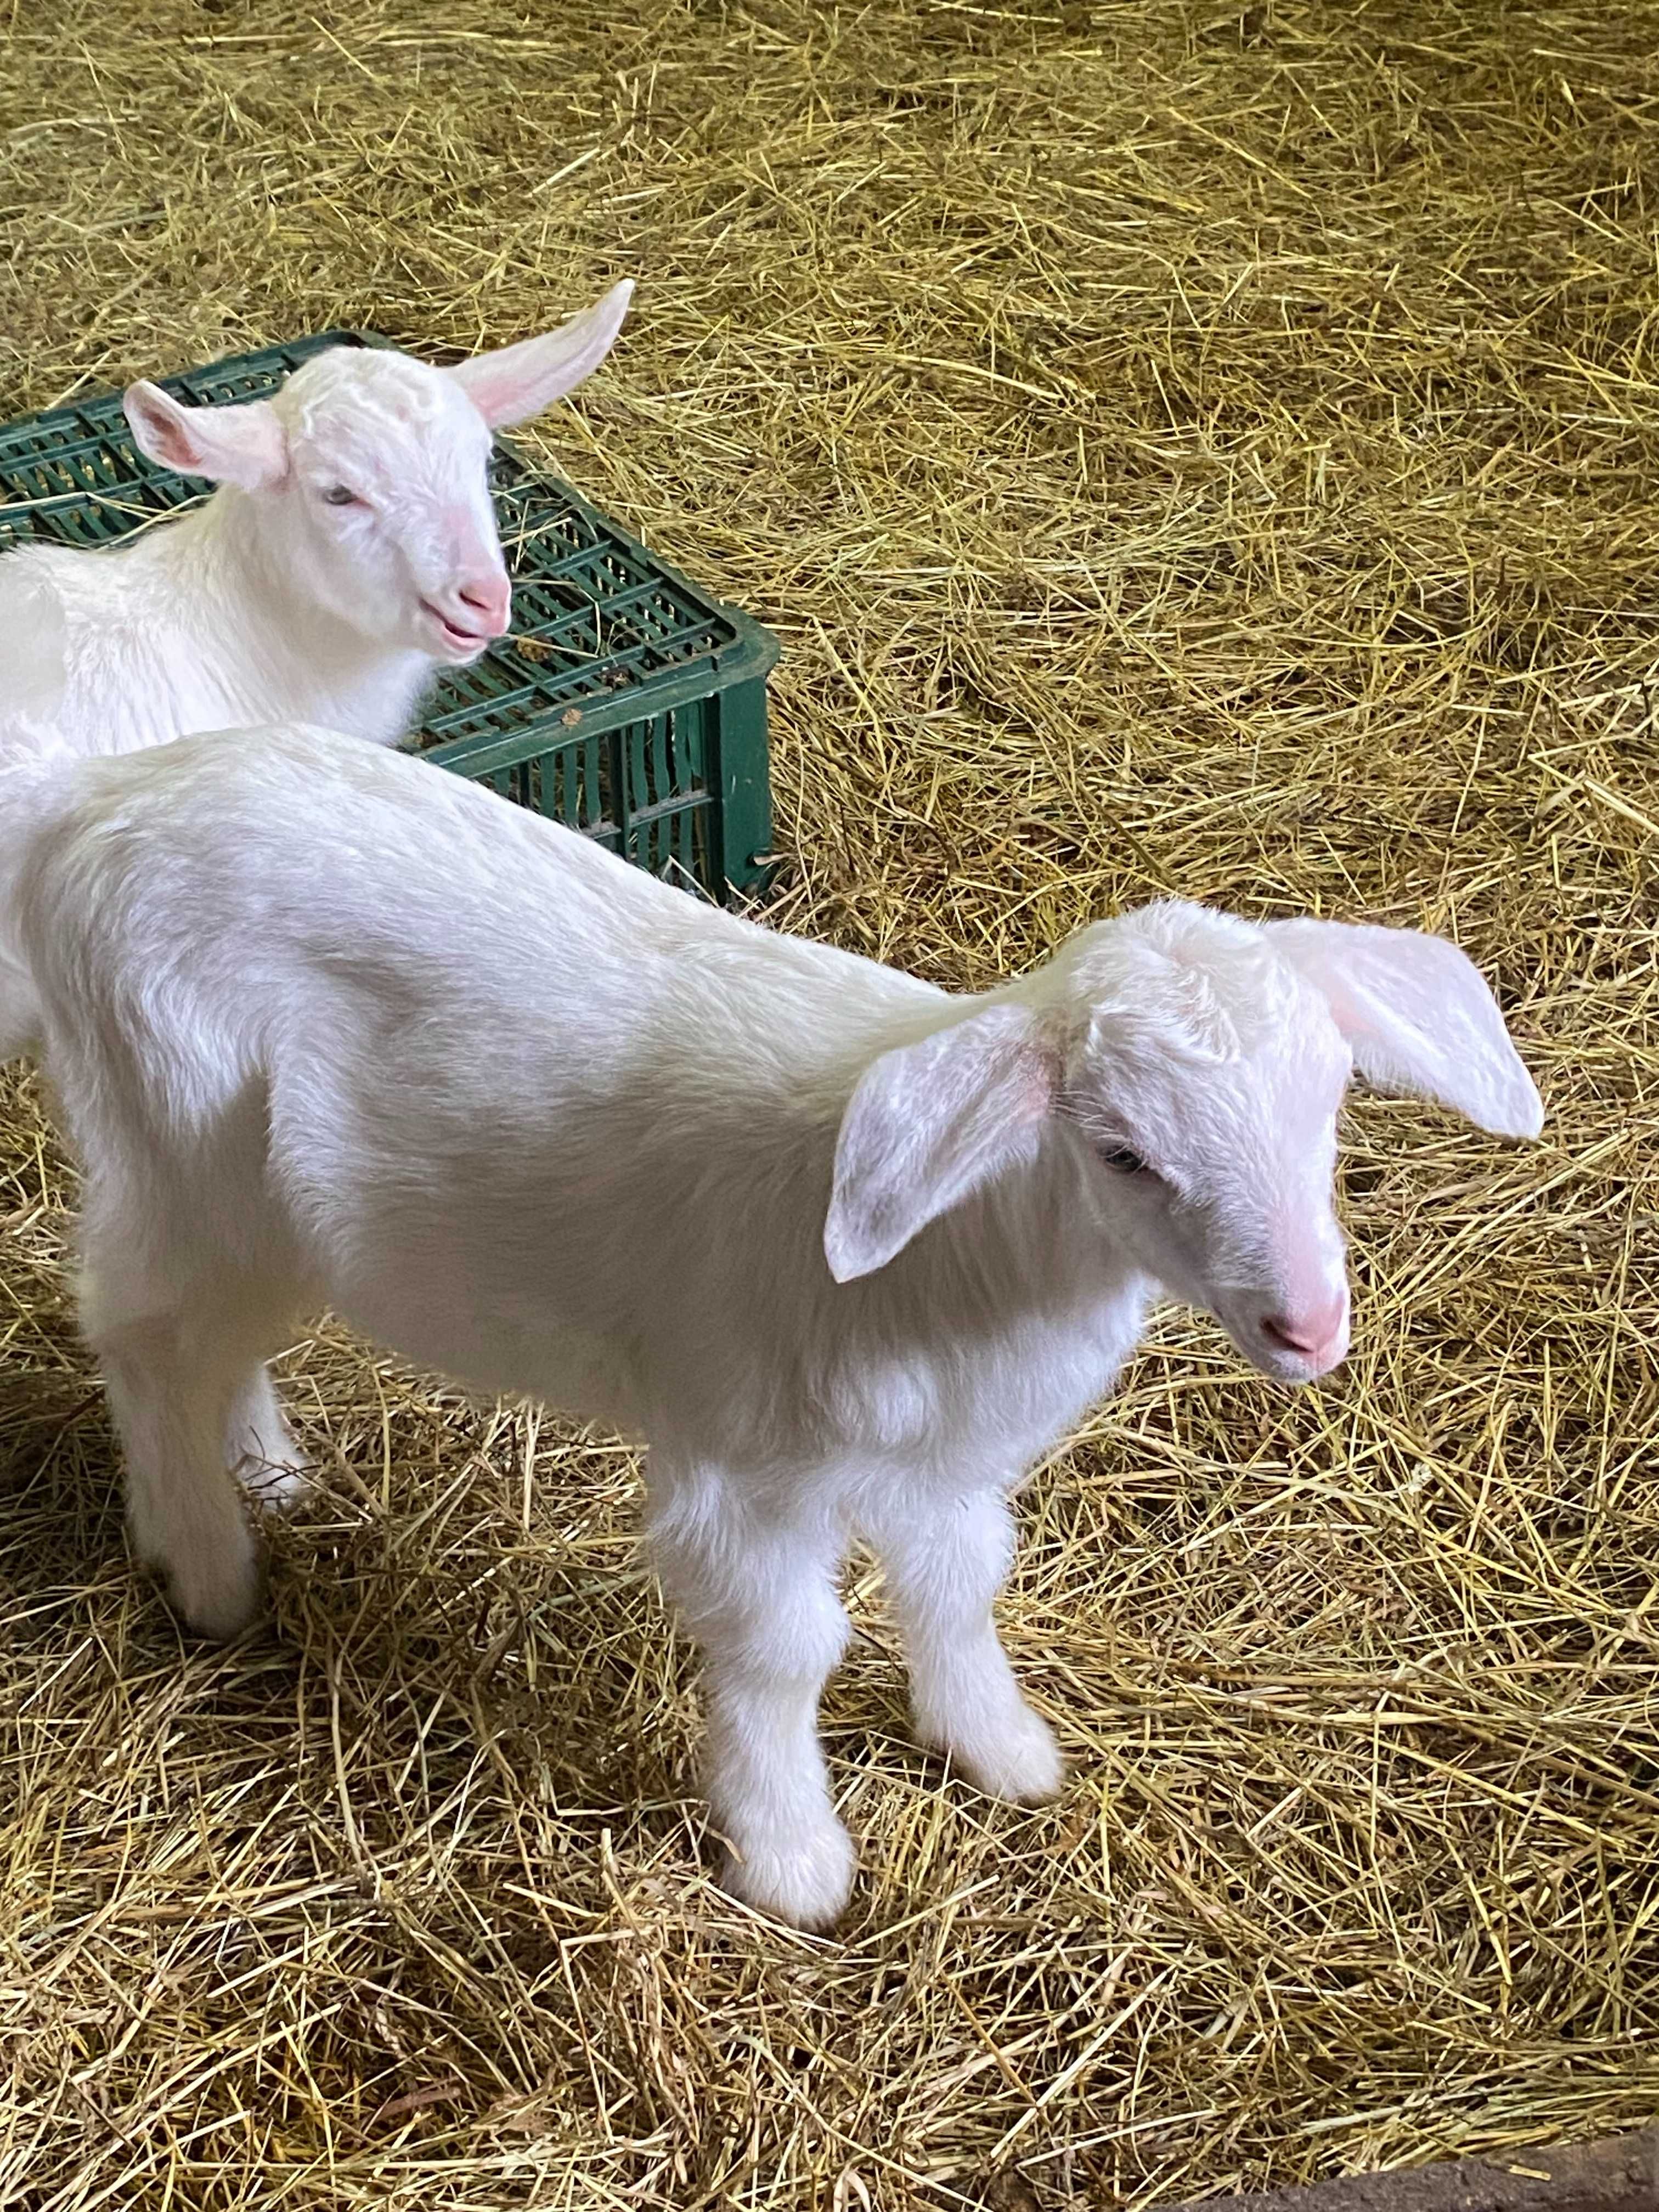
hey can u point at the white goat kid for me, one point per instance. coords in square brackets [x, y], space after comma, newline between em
[350, 552]
[850, 1253]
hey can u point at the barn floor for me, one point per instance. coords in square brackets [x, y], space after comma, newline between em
[1184, 447]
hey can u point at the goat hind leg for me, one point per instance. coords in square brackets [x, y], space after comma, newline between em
[181, 1364]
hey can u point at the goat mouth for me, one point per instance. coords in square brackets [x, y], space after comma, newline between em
[462, 642]
[1295, 1368]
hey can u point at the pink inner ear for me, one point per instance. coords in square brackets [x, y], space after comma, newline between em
[517, 381]
[522, 380]
[240, 445]
[503, 395]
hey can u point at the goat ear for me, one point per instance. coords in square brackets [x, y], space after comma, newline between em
[927, 1124]
[517, 381]
[1418, 1017]
[243, 445]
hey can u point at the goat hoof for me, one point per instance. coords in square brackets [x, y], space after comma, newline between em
[217, 1600]
[1018, 1761]
[805, 1881]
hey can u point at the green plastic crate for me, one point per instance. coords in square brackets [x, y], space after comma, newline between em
[638, 714]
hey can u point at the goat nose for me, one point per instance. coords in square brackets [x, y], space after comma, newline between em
[490, 596]
[1308, 1332]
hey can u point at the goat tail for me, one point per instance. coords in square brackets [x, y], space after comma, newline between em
[33, 792]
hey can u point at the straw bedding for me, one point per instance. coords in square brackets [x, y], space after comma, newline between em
[1185, 446]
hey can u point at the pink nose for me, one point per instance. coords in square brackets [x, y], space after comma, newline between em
[1310, 1331]
[485, 604]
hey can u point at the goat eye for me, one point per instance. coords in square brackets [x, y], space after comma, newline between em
[341, 496]
[1125, 1161]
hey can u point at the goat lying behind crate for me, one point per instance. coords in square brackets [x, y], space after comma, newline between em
[350, 551]
[849, 1252]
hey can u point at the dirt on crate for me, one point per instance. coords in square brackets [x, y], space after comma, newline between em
[1184, 447]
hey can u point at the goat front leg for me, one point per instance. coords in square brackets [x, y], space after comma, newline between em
[945, 1560]
[759, 1596]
